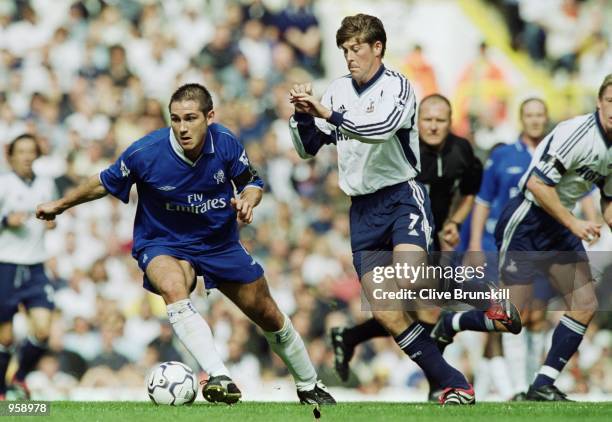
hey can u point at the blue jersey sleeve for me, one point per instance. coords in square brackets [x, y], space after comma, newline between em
[488, 187]
[120, 176]
[242, 172]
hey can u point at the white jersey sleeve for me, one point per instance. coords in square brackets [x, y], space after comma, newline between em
[309, 134]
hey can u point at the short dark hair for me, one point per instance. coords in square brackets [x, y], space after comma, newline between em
[606, 83]
[194, 92]
[365, 28]
[438, 97]
[530, 99]
[13, 143]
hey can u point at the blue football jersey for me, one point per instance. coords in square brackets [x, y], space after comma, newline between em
[503, 171]
[182, 204]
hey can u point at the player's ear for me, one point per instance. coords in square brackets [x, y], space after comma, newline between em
[378, 48]
[210, 116]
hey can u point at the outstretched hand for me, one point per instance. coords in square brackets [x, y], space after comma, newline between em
[48, 211]
[244, 210]
[303, 100]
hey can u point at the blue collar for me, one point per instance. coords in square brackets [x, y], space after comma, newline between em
[372, 81]
[602, 132]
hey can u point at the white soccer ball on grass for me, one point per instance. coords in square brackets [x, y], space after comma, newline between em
[172, 383]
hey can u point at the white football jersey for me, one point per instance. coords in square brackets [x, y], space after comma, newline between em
[574, 157]
[376, 136]
[24, 245]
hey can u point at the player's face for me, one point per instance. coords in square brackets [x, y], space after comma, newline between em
[362, 59]
[605, 110]
[24, 154]
[434, 122]
[534, 120]
[189, 125]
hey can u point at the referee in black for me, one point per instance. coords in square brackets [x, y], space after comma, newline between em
[452, 174]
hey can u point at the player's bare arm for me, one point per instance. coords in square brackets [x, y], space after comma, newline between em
[479, 218]
[450, 231]
[548, 198]
[15, 219]
[90, 190]
[606, 211]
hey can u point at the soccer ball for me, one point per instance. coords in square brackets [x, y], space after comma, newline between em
[172, 383]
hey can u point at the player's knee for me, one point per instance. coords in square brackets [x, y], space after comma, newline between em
[173, 289]
[587, 304]
[269, 317]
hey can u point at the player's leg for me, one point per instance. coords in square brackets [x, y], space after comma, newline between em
[236, 274]
[537, 326]
[6, 345]
[414, 339]
[174, 279]
[34, 346]
[514, 232]
[255, 301]
[36, 295]
[574, 282]
[345, 339]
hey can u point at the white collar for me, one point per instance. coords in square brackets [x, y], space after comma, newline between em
[209, 147]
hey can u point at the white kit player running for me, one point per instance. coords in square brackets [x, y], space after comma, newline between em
[370, 116]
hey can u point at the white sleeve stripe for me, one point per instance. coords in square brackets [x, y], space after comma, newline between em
[575, 137]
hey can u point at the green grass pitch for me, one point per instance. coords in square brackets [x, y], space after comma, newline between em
[353, 412]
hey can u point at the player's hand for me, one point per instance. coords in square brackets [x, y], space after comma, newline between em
[586, 230]
[301, 96]
[450, 233]
[48, 210]
[244, 210]
[300, 106]
[16, 219]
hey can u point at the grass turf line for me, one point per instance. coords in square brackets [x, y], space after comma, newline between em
[353, 412]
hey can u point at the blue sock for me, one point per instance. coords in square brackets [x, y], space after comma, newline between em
[417, 344]
[565, 342]
[5, 357]
[29, 355]
[432, 383]
[474, 320]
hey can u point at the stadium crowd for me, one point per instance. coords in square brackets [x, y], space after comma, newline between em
[89, 77]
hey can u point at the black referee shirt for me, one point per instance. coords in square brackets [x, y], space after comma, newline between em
[454, 167]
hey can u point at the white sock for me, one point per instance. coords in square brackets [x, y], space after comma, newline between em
[501, 376]
[536, 343]
[196, 335]
[515, 352]
[482, 378]
[288, 345]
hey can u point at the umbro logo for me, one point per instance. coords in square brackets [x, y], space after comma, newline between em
[166, 188]
[515, 170]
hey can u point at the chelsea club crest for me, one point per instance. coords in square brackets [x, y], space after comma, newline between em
[220, 177]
